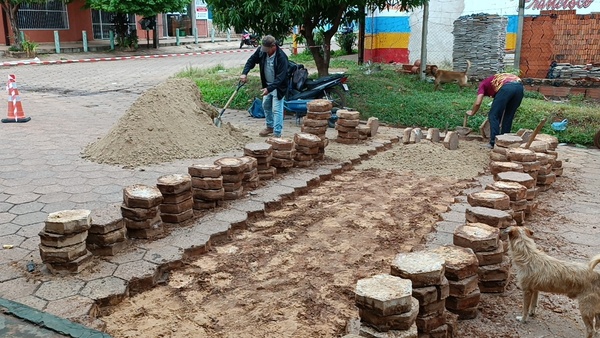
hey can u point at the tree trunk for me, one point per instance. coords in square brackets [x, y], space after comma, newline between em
[11, 10]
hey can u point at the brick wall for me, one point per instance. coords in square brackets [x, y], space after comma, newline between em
[560, 36]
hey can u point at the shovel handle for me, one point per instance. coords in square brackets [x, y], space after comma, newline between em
[465, 120]
[535, 132]
[240, 85]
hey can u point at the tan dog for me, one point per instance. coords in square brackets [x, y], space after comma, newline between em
[536, 271]
[447, 76]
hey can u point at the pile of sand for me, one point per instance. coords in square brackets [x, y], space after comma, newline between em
[167, 122]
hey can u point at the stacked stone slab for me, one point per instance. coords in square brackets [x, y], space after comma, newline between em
[63, 241]
[233, 170]
[346, 126]
[527, 159]
[528, 182]
[251, 178]
[263, 153]
[498, 200]
[140, 211]
[316, 123]
[173, 208]
[385, 305]
[552, 141]
[517, 194]
[547, 174]
[451, 140]
[461, 273]
[429, 286]
[363, 132]
[373, 124]
[307, 149]
[494, 265]
[283, 153]
[501, 145]
[107, 234]
[207, 186]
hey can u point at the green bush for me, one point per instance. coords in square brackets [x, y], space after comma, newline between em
[346, 42]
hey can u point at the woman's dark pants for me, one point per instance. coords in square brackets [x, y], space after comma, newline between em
[506, 102]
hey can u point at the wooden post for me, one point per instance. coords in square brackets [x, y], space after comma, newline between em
[424, 41]
[519, 36]
[85, 41]
[56, 42]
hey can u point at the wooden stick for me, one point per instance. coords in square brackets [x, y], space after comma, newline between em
[535, 132]
[465, 121]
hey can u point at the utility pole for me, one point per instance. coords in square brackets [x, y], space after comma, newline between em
[424, 40]
[192, 15]
[361, 35]
[519, 35]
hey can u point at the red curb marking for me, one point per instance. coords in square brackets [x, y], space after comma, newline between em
[118, 58]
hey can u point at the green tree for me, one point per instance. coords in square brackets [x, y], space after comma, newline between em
[276, 17]
[143, 8]
[11, 8]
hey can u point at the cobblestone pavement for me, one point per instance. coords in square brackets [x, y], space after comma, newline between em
[41, 171]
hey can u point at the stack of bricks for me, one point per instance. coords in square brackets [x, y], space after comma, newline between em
[548, 172]
[263, 153]
[107, 234]
[63, 241]
[498, 200]
[207, 186]
[528, 182]
[283, 153]
[494, 265]
[346, 126]
[518, 196]
[501, 145]
[140, 210]
[307, 149]
[461, 273]
[232, 171]
[527, 159]
[316, 123]
[385, 305]
[430, 288]
[363, 132]
[251, 179]
[177, 205]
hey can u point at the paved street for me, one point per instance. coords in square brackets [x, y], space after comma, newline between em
[41, 171]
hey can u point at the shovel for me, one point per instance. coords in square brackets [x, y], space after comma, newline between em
[217, 119]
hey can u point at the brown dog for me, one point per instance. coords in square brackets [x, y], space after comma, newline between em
[536, 271]
[447, 76]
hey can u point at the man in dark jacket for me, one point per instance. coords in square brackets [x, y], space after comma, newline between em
[273, 64]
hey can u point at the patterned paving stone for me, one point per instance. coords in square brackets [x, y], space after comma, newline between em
[13, 255]
[13, 240]
[18, 288]
[164, 254]
[26, 208]
[24, 197]
[59, 288]
[33, 301]
[7, 228]
[72, 307]
[31, 218]
[31, 230]
[8, 272]
[130, 255]
[31, 244]
[107, 290]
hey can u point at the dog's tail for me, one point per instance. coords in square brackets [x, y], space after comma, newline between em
[468, 67]
[594, 261]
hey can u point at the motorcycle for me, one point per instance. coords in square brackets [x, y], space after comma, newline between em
[249, 40]
[302, 90]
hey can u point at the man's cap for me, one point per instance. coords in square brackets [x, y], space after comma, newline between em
[267, 42]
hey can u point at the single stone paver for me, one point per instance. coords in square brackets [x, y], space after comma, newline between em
[72, 307]
[18, 288]
[164, 254]
[59, 288]
[137, 269]
[108, 290]
[97, 270]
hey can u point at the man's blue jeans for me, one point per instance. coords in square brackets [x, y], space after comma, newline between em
[273, 108]
[504, 107]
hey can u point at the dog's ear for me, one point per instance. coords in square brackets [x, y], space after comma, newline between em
[528, 232]
[513, 232]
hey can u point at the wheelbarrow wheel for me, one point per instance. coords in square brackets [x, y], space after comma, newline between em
[597, 140]
[336, 96]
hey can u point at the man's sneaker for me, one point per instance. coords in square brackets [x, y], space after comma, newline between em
[266, 132]
[277, 135]
[488, 146]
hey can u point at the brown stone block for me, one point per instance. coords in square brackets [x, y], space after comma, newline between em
[250, 163]
[422, 268]
[432, 309]
[306, 150]
[451, 320]
[234, 194]
[141, 196]
[230, 165]
[401, 321]
[489, 199]
[451, 140]
[282, 163]
[314, 123]
[518, 205]
[177, 208]
[62, 255]
[508, 140]
[207, 183]
[106, 220]
[466, 314]
[492, 217]
[108, 238]
[461, 303]
[318, 115]
[307, 140]
[68, 221]
[314, 130]
[251, 175]
[460, 262]
[177, 198]
[205, 170]
[520, 155]
[139, 214]
[521, 178]
[145, 224]
[495, 272]
[60, 241]
[263, 160]
[203, 205]
[178, 218]
[319, 105]
[107, 250]
[258, 149]
[477, 236]
[208, 195]
[347, 123]
[300, 164]
[430, 323]
[545, 169]
[384, 295]
[174, 184]
[348, 114]
[546, 179]
[519, 217]
[543, 188]
[75, 266]
[348, 134]
[463, 287]
[491, 257]
[493, 286]
[284, 154]
[500, 167]
[347, 140]
[263, 167]
[543, 158]
[231, 187]
[515, 191]
[426, 295]
[150, 233]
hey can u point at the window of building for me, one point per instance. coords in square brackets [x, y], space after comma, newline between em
[49, 15]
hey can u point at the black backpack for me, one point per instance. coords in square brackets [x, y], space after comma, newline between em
[297, 76]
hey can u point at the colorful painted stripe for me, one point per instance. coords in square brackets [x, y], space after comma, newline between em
[387, 24]
[511, 41]
[513, 23]
[387, 55]
[387, 40]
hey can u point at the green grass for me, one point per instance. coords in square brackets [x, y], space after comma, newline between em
[403, 100]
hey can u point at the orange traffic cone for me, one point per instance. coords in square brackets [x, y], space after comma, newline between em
[15, 110]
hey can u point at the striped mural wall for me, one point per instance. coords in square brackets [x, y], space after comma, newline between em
[386, 38]
[511, 32]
